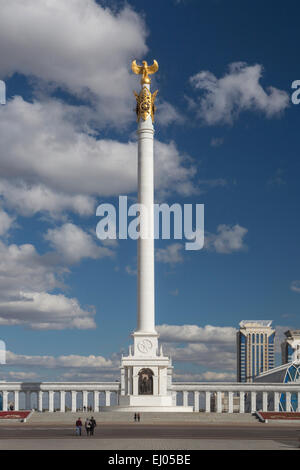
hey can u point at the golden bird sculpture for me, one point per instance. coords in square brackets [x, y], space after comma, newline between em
[145, 70]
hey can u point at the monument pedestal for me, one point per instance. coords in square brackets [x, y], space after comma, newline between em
[145, 378]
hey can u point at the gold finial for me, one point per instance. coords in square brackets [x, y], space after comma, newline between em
[145, 106]
[144, 70]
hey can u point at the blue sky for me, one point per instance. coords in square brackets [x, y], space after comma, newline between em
[226, 136]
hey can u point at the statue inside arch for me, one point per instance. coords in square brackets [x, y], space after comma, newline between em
[146, 382]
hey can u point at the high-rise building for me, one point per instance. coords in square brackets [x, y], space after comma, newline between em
[290, 347]
[255, 349]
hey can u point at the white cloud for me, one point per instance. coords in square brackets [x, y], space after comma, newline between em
[22, 376]
[278, 178]
[79, 46]
[204, 354]
[131, 271]
[295, 286]
[216, 141]
[170, 255]
[174, 172]
[25, 281]
[239, 90]
[6, 222]
[228, 239]
[74, 244]
[43, 311]
[23, 269]
[207, 346]
[92, 376]
[196, 334]
[211, 376]
[167, 114]
[208, 376]
[72, 361]
[49, 164]
[28, 200]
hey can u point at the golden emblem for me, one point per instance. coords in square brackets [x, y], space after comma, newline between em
[145, 106]
[144, 70]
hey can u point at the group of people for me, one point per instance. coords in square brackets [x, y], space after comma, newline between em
[137, 417]
[87, 408]
[90, 424]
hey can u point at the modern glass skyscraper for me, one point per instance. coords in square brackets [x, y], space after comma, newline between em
[255, 349]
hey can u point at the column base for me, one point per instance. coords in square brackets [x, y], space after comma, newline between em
[147, 403]
[148, 409]
[145, 400]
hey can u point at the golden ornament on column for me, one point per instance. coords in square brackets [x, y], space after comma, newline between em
[145, 106]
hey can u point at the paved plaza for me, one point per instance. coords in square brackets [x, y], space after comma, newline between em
[118, 431]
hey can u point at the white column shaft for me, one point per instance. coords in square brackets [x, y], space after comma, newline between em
[62, 401]
[207, 402]
[85, 399]
[185, 398]
[40, 400]
[145, 294]
[276, 401]
[265, 401]
[135, 382]
[74, 403]
[155, 385]
[253, 402]
[242, 402]
[122, 381]
[196, 401]
[107, 398]
[16, 396]
[288, 405]
[51, 401]
[96, 401]
[219, 402]
[230, 402]
[5, 400]
[127, 381]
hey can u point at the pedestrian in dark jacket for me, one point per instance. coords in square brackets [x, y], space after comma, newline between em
[93, 425]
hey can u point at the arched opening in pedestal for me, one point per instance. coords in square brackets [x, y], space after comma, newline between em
[146, 382]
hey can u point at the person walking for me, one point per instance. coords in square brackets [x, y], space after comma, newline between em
[135, 416]
[93, 425]
[78, 427]
[87, 426]
[138, 417]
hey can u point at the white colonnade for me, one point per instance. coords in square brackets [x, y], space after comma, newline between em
[206, 397]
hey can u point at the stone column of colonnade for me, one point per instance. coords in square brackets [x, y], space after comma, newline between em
[62, 401]
[5, 400]
[16, 400]
[40, 400]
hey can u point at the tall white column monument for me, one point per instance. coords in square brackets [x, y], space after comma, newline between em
[146, 372]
